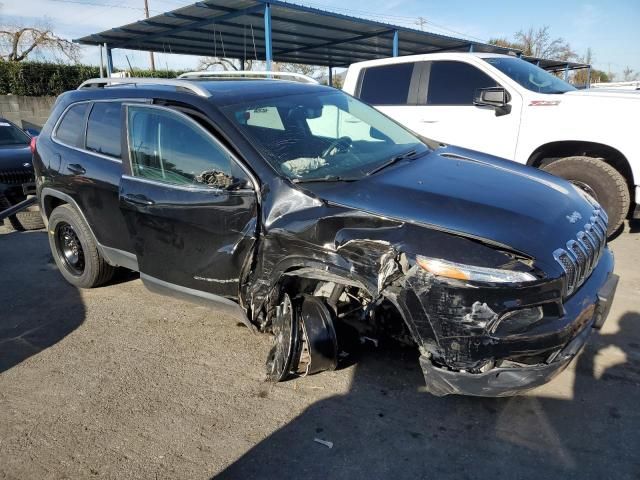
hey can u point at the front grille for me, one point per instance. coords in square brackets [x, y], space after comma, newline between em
[16, 177]
[580, 256]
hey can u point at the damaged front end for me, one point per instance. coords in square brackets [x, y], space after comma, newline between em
[500, 339]
[498, 328]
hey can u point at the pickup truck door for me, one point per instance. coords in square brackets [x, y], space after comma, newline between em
[190, 206]
[444, 109]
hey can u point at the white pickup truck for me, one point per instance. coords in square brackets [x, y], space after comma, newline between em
[510, 108]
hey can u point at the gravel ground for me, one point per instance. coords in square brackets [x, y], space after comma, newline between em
[118, 382]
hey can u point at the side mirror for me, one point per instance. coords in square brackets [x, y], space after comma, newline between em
[496, 97]
[222, 181]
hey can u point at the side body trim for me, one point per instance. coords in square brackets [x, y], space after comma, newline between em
[206, 299]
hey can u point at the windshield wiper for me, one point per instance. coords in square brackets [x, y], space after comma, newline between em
[407, 155]
[326, 178]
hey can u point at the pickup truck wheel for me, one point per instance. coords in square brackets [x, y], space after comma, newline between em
[600, 180]
[75, 251]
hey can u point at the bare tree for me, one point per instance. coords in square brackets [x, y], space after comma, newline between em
[210, 63]
[312, 71]
[537, 43]
[581, 76]
[628, 74]
[503, 42]
[17, 43]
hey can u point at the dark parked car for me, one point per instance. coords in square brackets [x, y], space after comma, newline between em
[16, 176]
[305, 212]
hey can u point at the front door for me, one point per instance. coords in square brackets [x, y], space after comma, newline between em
[190, 206]
[445, 110]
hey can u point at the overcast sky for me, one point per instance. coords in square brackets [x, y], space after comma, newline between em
[610, 28]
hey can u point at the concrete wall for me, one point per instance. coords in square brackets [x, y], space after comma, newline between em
[27, 112]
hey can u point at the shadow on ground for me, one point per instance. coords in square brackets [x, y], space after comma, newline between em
[386, 428]
[34, 313]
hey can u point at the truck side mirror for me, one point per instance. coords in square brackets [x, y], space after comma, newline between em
[496, 97]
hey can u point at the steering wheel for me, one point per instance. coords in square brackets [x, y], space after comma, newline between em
[342, 144]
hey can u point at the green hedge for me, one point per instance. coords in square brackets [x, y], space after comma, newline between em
[159, 73]
[37, 79]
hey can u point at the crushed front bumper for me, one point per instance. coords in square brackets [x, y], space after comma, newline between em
[506, 381]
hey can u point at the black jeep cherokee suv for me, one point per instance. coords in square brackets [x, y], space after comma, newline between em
[304, 212]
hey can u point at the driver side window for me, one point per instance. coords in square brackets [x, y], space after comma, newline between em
[454, 83]
[335, 123]
[166, 147]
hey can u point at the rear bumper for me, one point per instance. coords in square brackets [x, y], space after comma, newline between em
[506, 381]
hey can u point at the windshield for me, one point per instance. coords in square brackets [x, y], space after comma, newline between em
[326, 135]
[530, 76]
[12, 135]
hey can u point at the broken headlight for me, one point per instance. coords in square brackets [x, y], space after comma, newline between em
[459, 271]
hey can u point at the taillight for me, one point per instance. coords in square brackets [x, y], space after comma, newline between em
[32, 145]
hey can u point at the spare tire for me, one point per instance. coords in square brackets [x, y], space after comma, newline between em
[600, 180]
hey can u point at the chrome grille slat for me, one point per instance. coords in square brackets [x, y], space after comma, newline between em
[603, 214]
[602, 225]
[589, 230]
[576, 259]
[590, 248]
[581, 255]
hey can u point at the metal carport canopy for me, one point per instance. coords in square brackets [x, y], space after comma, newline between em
[239, 29]
[274, 30]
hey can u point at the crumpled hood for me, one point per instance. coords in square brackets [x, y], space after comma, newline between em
[14, 157]
[472, 194]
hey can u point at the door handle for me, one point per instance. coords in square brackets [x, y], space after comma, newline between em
[76, 168]
[427, 120]
[138, 199]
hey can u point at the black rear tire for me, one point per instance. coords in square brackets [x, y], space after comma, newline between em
[75, 251]
[599, 179]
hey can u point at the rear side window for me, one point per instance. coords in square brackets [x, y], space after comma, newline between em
[104, 129]
[387, 84]
[167, 148]
[453, 83]
[71, 128]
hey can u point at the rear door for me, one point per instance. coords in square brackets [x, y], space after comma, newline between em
[392, 89]
[89, 162]
[190, 206]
